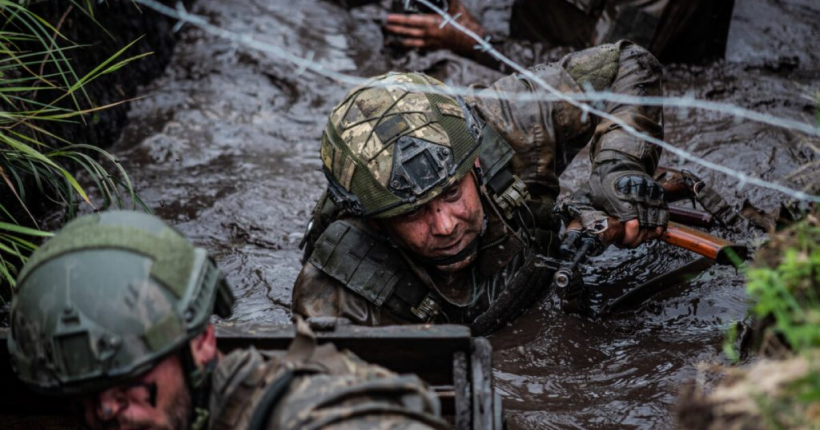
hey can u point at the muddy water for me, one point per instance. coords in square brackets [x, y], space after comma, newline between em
[225, 146]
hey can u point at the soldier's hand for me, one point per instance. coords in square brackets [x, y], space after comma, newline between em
[634, 235]
[623, 234]
[631, 196]
[426, 31]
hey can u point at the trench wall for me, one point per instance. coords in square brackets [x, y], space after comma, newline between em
[115, 23]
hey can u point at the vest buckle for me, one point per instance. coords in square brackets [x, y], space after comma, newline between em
[512, 198]
[427, 310]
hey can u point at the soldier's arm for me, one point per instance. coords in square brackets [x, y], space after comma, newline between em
[547, 135]
[621, 182]
[316, 294]
[637, 73]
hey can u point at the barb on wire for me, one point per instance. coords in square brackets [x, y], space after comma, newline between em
[742, 178]
[685, 102]
[181, 14]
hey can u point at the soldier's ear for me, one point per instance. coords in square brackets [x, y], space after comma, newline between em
[477, 163]
[203, 346]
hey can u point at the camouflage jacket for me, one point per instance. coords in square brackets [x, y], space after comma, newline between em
[316, 387]
[545, 136]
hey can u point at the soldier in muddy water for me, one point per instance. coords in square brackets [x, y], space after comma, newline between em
[544, 30]
[114, 312]
[438, 208]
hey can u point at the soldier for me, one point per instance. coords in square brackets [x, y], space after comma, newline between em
[114, 311]
[438, 208]
[682, 31]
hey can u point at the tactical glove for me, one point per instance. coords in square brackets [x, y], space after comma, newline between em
[626, 194]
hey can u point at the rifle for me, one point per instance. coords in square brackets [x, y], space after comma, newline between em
[579, 245]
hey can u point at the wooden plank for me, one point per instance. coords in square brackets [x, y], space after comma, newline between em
[425, 350]
[461, 386]
[483, 393]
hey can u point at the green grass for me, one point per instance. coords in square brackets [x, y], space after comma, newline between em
[785, 284]
[37, 87]
[789, 290]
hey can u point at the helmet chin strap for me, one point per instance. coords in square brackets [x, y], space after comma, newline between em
[462, 255]
[198, 380]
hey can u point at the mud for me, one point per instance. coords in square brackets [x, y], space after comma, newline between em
[225, 146]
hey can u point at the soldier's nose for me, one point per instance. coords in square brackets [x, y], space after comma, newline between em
[109, 405]
[442, 222]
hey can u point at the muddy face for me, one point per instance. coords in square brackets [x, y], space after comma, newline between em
[157, 400]
[444, 227]
[225, 146]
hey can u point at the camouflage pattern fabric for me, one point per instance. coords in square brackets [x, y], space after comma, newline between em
[362, 144]
[546, 137]
[331, 390]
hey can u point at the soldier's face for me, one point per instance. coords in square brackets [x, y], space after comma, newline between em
[159, 399]
[444, 226]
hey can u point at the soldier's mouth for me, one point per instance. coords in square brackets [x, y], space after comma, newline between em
[450, 249]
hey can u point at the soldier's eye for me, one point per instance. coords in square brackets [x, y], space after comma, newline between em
[411, 214]
[453, 193]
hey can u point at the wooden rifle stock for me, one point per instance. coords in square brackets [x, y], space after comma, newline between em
[689, 216]
[715, 248]
[679, 185]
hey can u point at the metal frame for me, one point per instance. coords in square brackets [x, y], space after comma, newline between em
[457, 366]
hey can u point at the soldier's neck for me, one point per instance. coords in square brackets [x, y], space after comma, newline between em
[454, 286]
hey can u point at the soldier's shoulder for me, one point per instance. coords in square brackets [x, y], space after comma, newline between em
[236, 366]
[234, 382]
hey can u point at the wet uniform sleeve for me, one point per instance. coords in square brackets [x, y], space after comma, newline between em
[638, 74]
[548, 134]
[316, 294]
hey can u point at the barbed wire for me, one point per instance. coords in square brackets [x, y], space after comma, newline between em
[304, 64]
[743, 178]
[686, 102]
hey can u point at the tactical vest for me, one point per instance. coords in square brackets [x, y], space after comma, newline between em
[367, 263]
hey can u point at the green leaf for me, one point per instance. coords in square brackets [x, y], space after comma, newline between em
[24, 230]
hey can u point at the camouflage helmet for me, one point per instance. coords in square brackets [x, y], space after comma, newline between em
[389, 147]
[106, 298]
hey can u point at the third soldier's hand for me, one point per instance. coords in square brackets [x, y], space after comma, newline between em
[425, 31]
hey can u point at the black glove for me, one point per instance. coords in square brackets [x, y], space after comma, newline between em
[626, 194]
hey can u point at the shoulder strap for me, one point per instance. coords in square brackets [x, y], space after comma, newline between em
[324, 213]
[507, 190]
[273, 393]
[371, 268]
